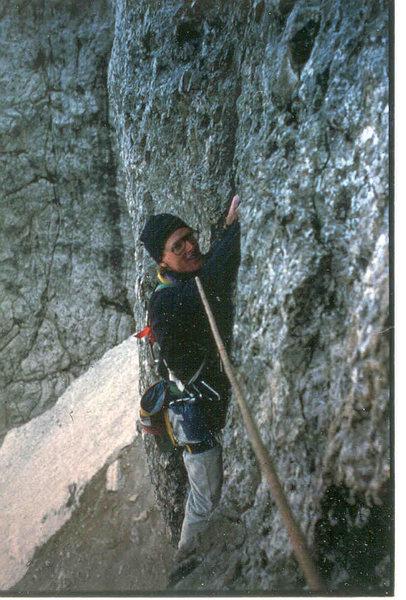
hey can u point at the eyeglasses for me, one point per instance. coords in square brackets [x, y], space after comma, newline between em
[179, 246]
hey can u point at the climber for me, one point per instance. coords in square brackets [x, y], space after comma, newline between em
[180, 327]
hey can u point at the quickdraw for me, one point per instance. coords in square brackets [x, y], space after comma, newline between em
[147, 331]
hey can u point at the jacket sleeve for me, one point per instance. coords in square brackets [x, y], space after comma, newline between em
[176, 312]
[219, 271]
[223, 260]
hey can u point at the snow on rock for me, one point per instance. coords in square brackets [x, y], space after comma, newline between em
[46, 463]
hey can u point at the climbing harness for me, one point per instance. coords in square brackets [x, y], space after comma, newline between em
[185, 418]
[177, 413]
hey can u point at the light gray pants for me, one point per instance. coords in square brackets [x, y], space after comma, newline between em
[205, 473]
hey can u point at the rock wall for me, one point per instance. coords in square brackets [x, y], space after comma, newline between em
[66, 244]
[116, 111]
[285, 102]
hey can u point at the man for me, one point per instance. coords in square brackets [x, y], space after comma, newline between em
[187, 348]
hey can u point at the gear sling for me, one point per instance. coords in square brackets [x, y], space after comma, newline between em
[178, 414]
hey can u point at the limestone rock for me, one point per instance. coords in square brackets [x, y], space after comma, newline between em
[66, 245]
[175, 106]
[286, 103]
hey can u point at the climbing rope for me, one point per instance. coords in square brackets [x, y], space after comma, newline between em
[296, 535]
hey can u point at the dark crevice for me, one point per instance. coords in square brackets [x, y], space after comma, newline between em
[170, 484]
[40, 60]
[120, 303]
[301, 45]
[259, 11]
[355, 538]
[147, 40]
[322, 79]
[45, 298]
[187, 32]
[286, 7]
[234, 123]
[49, 177]
[4, 346]
[115, 250]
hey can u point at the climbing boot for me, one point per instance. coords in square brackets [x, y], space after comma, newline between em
[186, 559]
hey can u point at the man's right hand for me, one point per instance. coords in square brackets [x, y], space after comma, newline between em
[232, 214]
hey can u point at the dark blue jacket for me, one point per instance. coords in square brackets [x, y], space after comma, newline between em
[178, 318]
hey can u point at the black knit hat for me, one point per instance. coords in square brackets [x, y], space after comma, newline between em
[157, 230]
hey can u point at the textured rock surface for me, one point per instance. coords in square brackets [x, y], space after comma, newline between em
[286, 102]
[65, 294]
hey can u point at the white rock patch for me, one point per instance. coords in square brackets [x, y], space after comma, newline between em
[46, 463]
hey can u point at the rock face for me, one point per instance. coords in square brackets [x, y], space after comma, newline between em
[286, 103]
[66, 244]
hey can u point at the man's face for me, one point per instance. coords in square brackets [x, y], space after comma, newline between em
[182, 253]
